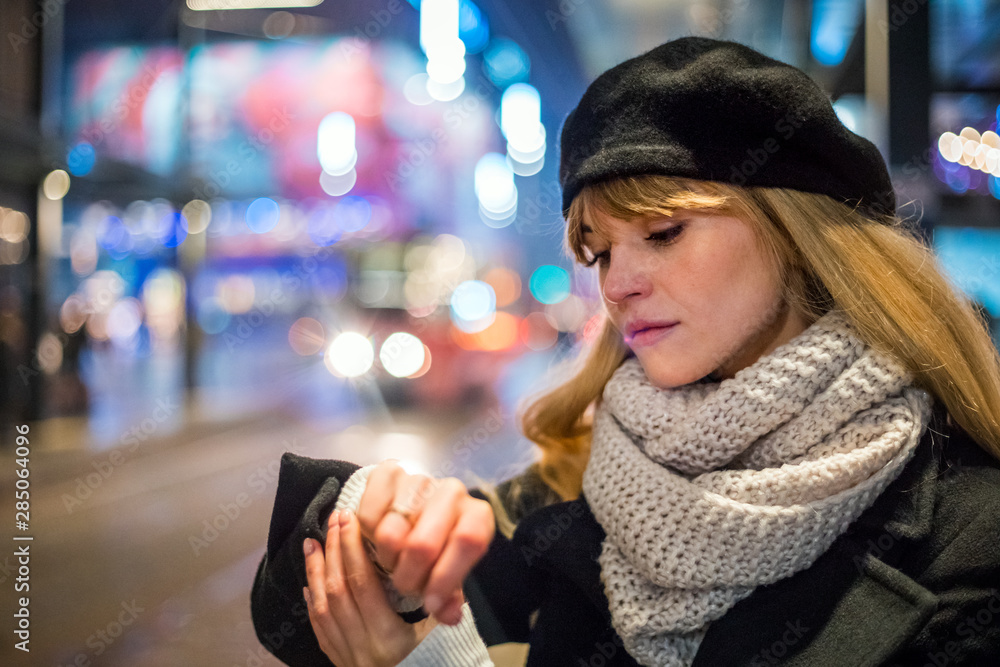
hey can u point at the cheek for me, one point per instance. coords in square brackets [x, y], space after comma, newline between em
[727, 282]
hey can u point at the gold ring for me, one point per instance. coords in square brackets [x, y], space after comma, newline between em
[403, 511]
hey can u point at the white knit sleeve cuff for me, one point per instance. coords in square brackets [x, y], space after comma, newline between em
[451, 646]
[350, 499]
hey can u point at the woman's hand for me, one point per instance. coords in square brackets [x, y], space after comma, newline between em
[348, 608]
[433, 550]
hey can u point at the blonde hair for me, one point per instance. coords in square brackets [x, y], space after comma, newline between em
[876, 270]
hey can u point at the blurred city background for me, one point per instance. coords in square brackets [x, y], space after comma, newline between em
[235, 228]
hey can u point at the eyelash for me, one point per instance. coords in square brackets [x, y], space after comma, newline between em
[665, 237]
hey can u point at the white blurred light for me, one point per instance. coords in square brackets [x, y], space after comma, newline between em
[14, 225]
[415, 90]
[525, 168]
[520, 118]
[349, 355]
[494, 183]
[50, 353]
[949, 146]
[440, 42]
[446, 70]
[445, 92]
[473, 326]
[438, 26]
[124, 320]
[473, 300]
[56, 185]
[402, 354]
[335, 186]
[335, 144]
[971, 149]
[198, 214]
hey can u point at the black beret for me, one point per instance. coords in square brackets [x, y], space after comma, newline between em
[719, 111]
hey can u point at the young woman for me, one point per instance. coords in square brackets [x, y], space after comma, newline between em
[782, 448]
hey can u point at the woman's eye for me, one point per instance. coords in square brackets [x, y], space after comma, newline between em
[599, 257]
[664, 237]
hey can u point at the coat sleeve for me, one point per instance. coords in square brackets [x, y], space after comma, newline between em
[308, 492]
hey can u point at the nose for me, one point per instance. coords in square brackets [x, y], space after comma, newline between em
[626, 275]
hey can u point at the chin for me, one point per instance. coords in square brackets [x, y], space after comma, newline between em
[671, 378]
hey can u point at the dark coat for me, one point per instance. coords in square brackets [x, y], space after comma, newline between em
[914, 581]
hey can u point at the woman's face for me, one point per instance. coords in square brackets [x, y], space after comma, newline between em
[703, 271]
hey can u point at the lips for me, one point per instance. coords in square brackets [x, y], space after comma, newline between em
[639, 326]
[648, 336]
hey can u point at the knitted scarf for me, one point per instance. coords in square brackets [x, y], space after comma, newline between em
[709, 490]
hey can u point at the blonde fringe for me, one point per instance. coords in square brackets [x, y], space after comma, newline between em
[877, 271]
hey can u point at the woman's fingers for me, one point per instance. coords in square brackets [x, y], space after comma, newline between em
[434, 550]
[427, 540]
[468, 542]
[365, 587]
[412, 496]
[387, 530]
[328, 634]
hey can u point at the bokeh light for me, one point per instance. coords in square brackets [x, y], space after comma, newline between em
[212, 316]
[56, 185]
[349, 355]
[335, 144]
[402, 354]
[473, 300]
[506, 62]
[172, 229]
[549, 284]
[306, 336]
[262, 215]
[506, 285]
[538, 331]
[198, 214]
[352, 213]
[81, 159]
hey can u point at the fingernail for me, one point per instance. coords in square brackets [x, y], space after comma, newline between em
[334, 518]
[308, 546]
[345, 517]
[432, 603]
[307, 595]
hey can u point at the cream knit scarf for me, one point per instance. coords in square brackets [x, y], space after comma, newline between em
[709, 490]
